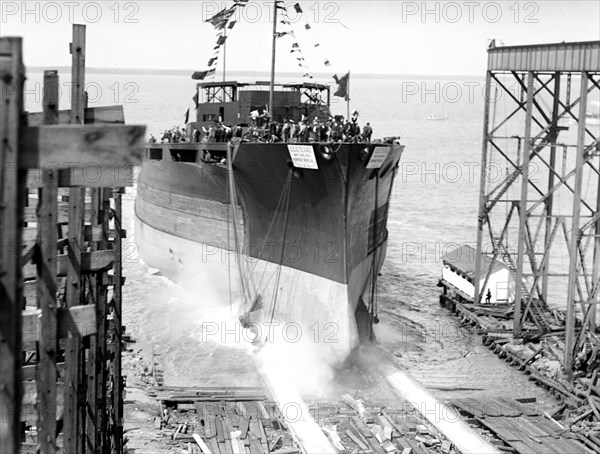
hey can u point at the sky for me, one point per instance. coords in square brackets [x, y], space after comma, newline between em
[376, 37]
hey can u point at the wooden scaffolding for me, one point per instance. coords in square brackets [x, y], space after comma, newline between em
[61, 387]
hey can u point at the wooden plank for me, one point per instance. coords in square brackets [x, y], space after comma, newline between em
[29, 372]
[220, 431]
[203, 446]
[255, 446]
[91, 262]
[73, 422]
[91, 175]
[254, 429]
[244, 425]
[62, 214]
[46, 284]
[30, 289]
[199, 410]
[11, 194]
[117, 316]
[264, 414]
[30, 392]
[357, 441]
[93, 115]
[368, 435]
[102, 308]
[83, 146]
[214, 446]
[210, 425]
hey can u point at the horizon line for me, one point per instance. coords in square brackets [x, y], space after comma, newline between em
[173, 72]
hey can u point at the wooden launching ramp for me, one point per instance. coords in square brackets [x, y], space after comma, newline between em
[276, 419]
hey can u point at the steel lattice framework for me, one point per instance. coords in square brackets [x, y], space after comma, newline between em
[540, 182]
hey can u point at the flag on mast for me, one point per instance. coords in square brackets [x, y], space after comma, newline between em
[343, 85]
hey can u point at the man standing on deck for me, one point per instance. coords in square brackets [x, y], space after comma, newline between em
[488, 297]
[285, 131]
[367, 133]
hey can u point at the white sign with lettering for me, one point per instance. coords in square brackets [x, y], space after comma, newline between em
[303, 156]
[378, 157]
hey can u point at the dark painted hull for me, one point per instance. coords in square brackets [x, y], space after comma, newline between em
[323, 256]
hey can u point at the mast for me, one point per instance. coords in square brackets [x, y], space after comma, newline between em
[272, 88]
[224, 52]
[348, 97]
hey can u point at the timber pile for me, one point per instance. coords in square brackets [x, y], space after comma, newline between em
[222, 421]
[354, 426]
[540, 356]
[242, 420]
[521, 425]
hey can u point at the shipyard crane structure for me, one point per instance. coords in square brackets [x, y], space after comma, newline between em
[539, 207]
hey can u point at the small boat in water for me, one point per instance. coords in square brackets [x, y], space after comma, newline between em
[434, 117]
[275, 201]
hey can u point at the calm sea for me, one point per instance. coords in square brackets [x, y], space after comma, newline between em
[434, 208]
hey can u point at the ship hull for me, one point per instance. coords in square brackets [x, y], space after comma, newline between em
[309, 241]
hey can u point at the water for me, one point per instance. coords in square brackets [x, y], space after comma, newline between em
[434, 207]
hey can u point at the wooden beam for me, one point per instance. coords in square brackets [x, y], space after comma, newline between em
[46, 284]
[82, 146]
[93, 115]
[91, 262]
[91, 233]
[62, 214]
[91, 176]
[117, 319]
[79, 319]
[574, 261]
[12, 76]
[30, 394]
[73, 423]
[29, 372]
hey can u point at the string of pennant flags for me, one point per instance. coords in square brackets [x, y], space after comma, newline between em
[222, 21]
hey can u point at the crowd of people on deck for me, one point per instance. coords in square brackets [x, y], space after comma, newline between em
[335, 129]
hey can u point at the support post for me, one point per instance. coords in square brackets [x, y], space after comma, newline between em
[73, 424]
[117, 323]
[518, 322]
[482, 188]
[12, 190]
[46, 283]
[595, 270]
[575, 234]
[550, 199]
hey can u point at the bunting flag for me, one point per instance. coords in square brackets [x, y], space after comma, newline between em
[297, 8]
[211, 61]
[231, 24]
[219, 20]
[307, 26]
[342, 82]
[201, 75]
[221, 40]
[327, 63]
[195, 99]
[187, 116]
[281, 34]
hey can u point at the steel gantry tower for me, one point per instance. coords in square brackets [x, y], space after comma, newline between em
[539, 209]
